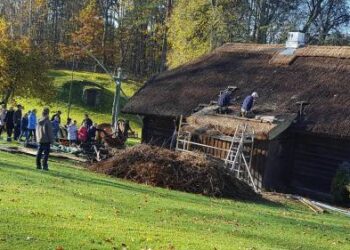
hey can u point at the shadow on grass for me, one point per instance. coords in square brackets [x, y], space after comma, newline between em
[132, 187]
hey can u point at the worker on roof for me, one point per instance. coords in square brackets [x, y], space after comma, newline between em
[248, 104]
[225, 100]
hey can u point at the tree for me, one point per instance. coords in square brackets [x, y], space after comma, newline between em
[23, 72]
[195, 28]
[325, 16]
[88, 36]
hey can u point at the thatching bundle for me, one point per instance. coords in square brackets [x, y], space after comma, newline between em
[227, 125]
[280, 59]
[189, 172]
[324, 51]
[311, 51]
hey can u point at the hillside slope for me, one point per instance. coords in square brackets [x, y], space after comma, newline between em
[71, 208]
[101, 113]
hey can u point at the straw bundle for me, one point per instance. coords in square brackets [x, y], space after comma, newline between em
[324, 51]
[228, 125]
[280, 59]
[250, 48]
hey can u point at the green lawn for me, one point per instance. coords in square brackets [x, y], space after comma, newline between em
[71, 208]
[100, 114]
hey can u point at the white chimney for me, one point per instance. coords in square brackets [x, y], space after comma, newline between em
[295, 40]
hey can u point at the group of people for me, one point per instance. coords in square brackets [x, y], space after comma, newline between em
[85, 133]
[43, 131]
[20, 125]
[226, 97]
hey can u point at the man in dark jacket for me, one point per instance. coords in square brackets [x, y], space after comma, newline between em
[248, 104]
[92, 132]
[17, 118]
[87, 121]
[24, 127]
[58, 115]
[45, 137]
[9, 123]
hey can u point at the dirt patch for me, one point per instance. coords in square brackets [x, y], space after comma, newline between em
[189, 172]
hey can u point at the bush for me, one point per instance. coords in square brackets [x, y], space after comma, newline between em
[341, 184]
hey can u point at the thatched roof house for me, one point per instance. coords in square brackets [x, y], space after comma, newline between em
[318, 75]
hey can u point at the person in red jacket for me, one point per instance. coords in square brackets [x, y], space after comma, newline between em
[83, 134]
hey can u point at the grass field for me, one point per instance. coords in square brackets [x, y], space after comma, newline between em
[100, 114]
[71, 208]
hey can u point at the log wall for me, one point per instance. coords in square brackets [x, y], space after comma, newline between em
[158, 130]
[316, 160]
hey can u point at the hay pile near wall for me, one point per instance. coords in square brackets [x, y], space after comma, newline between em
[228, 125]
[189, 172]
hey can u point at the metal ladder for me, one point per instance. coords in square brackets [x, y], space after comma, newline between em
[183, 137]
[239, 157]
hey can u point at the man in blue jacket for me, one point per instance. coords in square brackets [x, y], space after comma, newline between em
[32, 122]
[248, 104]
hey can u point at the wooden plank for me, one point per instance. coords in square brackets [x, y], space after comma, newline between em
[33, 152]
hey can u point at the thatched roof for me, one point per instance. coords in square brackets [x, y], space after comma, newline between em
[319, 75]
[208, 121]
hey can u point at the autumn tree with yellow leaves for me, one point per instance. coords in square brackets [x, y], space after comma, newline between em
[23, 69]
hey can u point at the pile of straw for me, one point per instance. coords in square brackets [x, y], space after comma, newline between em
[189, 172]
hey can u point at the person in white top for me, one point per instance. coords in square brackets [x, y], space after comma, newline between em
[72, 130]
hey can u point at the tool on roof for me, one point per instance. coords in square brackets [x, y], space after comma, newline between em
[302, 105]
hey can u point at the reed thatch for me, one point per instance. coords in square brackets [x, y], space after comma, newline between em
[319, 75]
[311, 51]
[227, 125]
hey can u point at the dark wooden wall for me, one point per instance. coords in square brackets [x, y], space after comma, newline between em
[316, 160]
[260, 153]
[279, 163]
[158, 130]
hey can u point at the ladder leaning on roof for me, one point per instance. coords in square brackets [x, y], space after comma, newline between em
[183, 141]
[239, 157]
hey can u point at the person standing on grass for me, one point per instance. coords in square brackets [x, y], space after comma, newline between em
[32, 120]
[87, 121]
[24, 127]
[3, 112]
[17, 118]
[58, 116]
[9, 123]
[92, 132]
[45, 137]
[72, 131]
[83, 134]
[55, 127]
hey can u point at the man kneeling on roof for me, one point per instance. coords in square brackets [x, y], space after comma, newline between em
[225, 100]
[248, 104]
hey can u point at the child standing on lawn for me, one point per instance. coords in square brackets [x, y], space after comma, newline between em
[72, 131]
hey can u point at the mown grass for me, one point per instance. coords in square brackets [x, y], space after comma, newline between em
[101, 113]
[71, 208]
